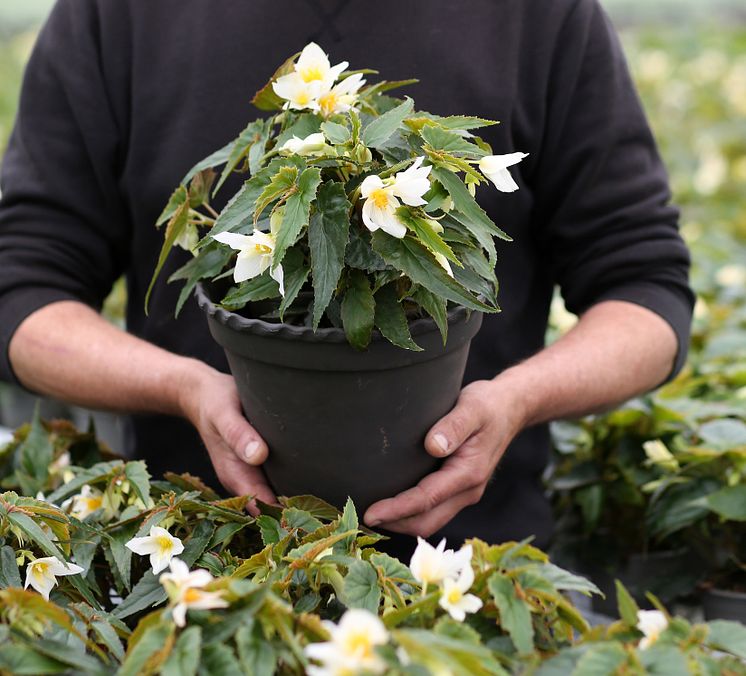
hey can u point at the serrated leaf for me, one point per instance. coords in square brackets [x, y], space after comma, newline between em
[184, 659]
[328, 234]
[426, 234]
[296, 214]
[206, 264]
[240, 149]
[449, 141]
[391, 320]
[280, 184]
[297, 518]
[436, 306]
[381, 128]
[296, 271]
[601, 658]
[33, 456]
[336, 133]
[358, 310]
[361, 588]
[305, 125]
[262, 287]
[628, 609]
[465, 204]
[419, 264]
[213, 160]
[515, 614]
[265, 98]
[9, 575]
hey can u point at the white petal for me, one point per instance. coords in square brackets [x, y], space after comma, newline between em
[503, 181]
[390, 223]
[200, 578]
[279, 276]
[336, 71]
[350, 85]
[466, 579]
[69, 569]
[159, 561]
[233, 240]
[368, 216]
[493, 163]
[249, 265]
[470, 603]
[142, 546]
[370, 184]
[179, 614]
[313, 56]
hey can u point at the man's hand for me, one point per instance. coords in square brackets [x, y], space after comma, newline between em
[473, 438]
[235, 447]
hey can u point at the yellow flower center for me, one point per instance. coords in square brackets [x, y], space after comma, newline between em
[312, 73]
[454, 595]
[164, 543]
[380, 198]
[328, 103]
[262, 249]
[302, 99]
[40, 569]
[92, 504]
[359, 644]
[192, 595]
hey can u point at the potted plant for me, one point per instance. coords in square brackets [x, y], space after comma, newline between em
[346, 276]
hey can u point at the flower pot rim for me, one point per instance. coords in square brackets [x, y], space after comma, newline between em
[260, 327]
[725, 593]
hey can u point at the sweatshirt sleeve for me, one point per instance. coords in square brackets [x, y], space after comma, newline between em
[604, 219]
[63, 227]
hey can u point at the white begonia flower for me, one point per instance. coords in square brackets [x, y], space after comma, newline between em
[313, 65]
[314, 144]
[160, 545]
[341, 97]
[254, 256]
[297, 93]
[658, 454]
[42, 574]
[454, 598]
[652, 623]
[60, 465]
[495, 168]
[185, 588]
[352, 646]
[433, 565]
[85, 503]
[382, 197]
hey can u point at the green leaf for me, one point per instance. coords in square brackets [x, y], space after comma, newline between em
[295, 270]
[265, 98]
[257, 655]
[33, 456]
[262, 287]
[451, 142]
[218, 658]
[214, 160]
[724, 434]
[175, 202]
[664, 660]
[33, 531]
[152, 641]
[109, 637]
[728, 636]
[462, 122]
[9, 575]
[176, 225]
[139, 477]
[392, 568]
[296, 213]
[465, 204]
[121, 555]
[20, 660]
[387, 85]
[199, 188]
[361, 588]
[328, 233]
[515, 614]
[426, 234]
[336, 133]
[241, 146]
[381, 128]
[280, 184]
[358, 310]
[456, 221]
[206, 264]
[348, 521]
[271, 530]
[305, 125]
[297, 518]
[391, 319]
[185, 656]
[601, 658]
[628, 609]
[436, 306]
[564, 580]
[419, 264]
[730, 502]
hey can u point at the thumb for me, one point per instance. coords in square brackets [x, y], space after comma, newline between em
[241, 437]
[451, 431]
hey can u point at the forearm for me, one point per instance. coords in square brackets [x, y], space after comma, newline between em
[67, 351]
[617, 350]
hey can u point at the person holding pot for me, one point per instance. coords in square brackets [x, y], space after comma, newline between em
[121, 98]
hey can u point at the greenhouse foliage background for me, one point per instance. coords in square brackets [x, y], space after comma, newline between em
[689, 61]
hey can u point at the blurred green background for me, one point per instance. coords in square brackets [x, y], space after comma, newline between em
[689, 60]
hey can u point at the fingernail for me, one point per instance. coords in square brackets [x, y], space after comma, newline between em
[250, 451]
[372, 523]
[441, 442]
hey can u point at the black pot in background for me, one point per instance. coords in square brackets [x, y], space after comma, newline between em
[721, 604]
[340, 422]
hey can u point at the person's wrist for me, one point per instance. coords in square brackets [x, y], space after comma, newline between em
[516, 397]
[188, 383]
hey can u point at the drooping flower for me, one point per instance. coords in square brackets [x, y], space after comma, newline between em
[351, 649]
[382, 197]
[312, 77]
[433, 565]
[42, 573]
[495, 168]
[254, 255]
[341, 97]
[314, 144]
[160, 545]
[84, 503]
[454, 598]
[185, 589]
[652, 623]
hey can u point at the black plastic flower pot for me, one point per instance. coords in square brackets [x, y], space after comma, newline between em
[340, 422]
[722, 604]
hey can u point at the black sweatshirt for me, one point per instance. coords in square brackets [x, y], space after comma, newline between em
[122, 97]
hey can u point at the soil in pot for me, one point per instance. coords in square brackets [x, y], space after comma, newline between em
[340, 422]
